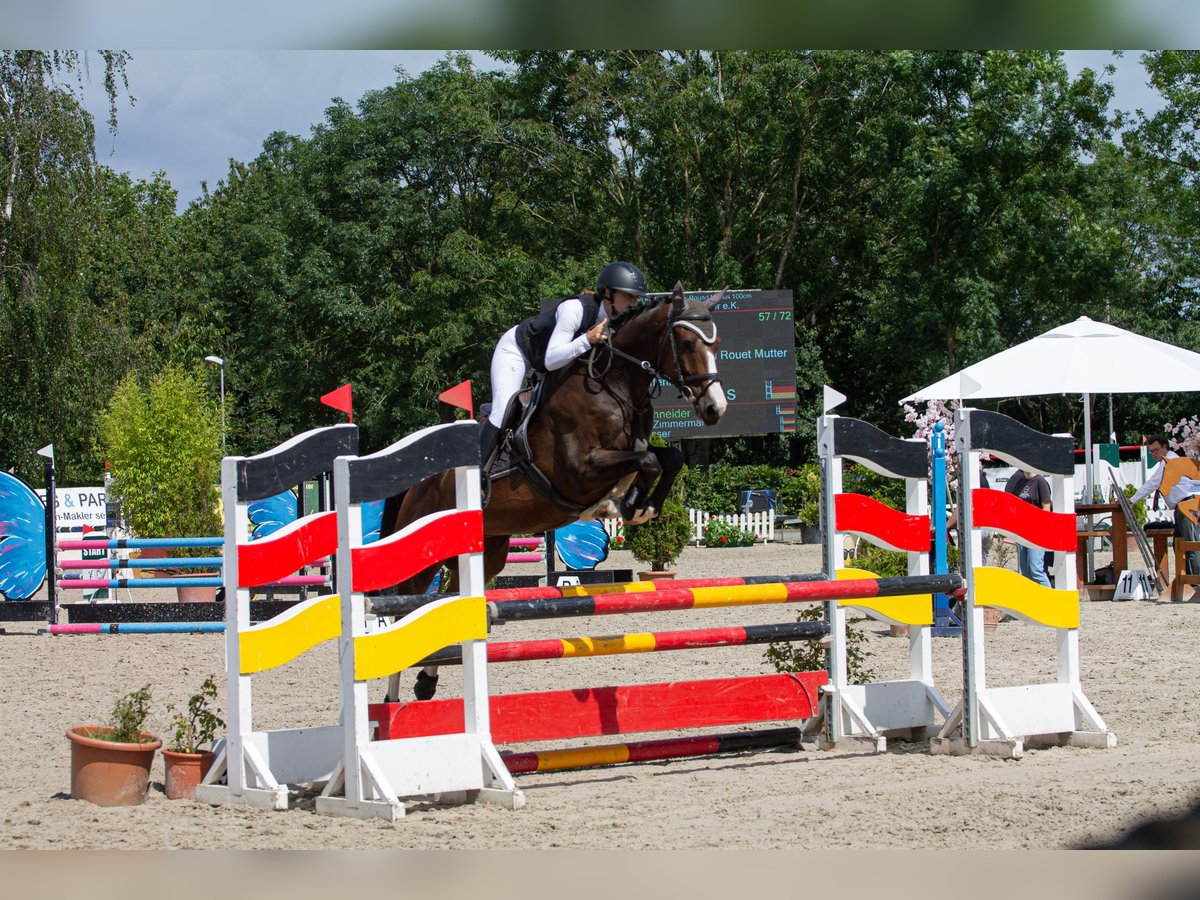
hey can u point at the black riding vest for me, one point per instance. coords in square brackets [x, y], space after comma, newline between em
[533, 335]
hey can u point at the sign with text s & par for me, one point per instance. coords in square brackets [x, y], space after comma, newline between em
[757, 366]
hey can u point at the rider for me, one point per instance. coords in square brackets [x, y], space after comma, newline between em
[554, 339]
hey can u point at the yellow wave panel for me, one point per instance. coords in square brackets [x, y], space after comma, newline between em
[418, 635]
[1015, 593]
[288, 635]
[906, 609]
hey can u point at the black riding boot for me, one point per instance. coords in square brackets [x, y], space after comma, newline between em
[489, 434]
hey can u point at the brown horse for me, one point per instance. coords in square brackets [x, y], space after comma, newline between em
[588, 440]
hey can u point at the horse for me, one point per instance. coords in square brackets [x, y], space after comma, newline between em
[584, 452]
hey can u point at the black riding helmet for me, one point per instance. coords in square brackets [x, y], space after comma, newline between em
[622, 276]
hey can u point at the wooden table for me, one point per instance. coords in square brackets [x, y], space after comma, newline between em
[1118, 536]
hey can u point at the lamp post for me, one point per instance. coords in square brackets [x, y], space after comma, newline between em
[220, 363]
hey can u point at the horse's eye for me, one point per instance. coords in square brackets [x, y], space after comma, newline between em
[687, 346]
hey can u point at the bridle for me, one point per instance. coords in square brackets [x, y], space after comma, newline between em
[699, 323]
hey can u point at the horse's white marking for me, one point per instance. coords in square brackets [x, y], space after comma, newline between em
[606, 507]
[718, 394]
[644, 515]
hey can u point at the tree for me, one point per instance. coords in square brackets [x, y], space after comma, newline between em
[52, 341]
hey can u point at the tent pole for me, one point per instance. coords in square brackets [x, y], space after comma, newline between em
[1089, 495]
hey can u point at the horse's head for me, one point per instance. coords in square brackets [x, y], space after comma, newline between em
[694, 342]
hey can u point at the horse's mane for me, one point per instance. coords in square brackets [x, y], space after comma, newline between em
[643, 305]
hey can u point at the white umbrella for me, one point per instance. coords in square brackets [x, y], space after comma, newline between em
[1081, 357]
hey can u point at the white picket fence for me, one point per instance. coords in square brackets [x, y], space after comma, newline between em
[761, 524]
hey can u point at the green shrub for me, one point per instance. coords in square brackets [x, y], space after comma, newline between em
[1139, 508]
[163, 442]
[715, 490]
[200, 724]
[127, 720]
[810, 656]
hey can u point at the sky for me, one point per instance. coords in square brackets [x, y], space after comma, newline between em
[195, 110]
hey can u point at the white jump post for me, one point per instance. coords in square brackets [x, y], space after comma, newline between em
[866, 714]
[1003, 721]
[259, 765]
[374, 776]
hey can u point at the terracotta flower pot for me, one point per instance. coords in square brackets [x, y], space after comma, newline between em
[183, 772]
[655, 575]
[197, 594]
[109, 773]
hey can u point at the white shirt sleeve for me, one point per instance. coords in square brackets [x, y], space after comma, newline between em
[1153, 481]
[564, 347]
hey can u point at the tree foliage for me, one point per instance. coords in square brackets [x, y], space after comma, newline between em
[927, 209]
[162, 440]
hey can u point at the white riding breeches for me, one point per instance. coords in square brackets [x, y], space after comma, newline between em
[508, 372]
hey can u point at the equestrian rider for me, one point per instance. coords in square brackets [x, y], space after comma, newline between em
[554, 339]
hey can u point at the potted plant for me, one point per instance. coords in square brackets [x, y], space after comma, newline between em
[185, 761]
[162, 439]
[810, 522]
[660, 541]
[110, 764]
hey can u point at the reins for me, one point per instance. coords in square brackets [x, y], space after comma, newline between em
[683, 385]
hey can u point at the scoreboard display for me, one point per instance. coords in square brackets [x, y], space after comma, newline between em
[757, 366]
[756, 363]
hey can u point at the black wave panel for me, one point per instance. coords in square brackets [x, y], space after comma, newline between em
[393, 471]
[295, 461]
[1022, 445]
[879, 450]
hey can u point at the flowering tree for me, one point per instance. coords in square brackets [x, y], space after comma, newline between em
[937, 411]
[1184, 436]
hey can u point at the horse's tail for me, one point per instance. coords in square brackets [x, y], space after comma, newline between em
[391, 511]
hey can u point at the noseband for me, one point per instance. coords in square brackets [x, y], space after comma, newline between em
[696, 324]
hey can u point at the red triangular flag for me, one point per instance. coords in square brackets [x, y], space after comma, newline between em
[460, 396]
[341, 399]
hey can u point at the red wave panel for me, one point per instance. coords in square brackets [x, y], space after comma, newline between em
[866, 515]
[384, 564]
[266, 561]
[1007, 512]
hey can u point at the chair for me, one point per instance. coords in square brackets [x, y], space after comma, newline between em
[1176, 469]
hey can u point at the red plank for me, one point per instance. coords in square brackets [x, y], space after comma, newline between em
[590, 712]
[387, 562]
[867, 516]
[269, 559]
[1007, 512]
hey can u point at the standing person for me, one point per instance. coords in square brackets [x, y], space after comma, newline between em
[555, 339]
[1185, 528]
[1156, 446]
[1032, 488]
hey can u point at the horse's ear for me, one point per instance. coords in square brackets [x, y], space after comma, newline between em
[712, 301]
[677, 298]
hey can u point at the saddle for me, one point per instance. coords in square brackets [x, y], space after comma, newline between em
[513, 453]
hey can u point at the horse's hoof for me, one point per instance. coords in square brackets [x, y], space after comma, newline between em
[642, 516]
[425, 687]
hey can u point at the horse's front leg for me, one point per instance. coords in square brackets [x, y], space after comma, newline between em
[670, 460]
[616, 467]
